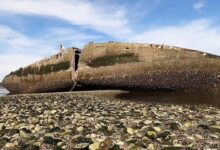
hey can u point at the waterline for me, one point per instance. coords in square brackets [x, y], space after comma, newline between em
[3, 92]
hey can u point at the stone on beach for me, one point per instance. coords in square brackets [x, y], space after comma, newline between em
[98, 121]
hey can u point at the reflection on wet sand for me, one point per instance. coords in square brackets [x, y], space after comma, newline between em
[208, 97]
[3, 91]
[211, 97]
[205, 97]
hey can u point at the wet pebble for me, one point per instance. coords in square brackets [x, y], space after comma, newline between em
[87, 121]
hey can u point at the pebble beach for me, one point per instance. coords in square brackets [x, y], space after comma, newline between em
[100, 120]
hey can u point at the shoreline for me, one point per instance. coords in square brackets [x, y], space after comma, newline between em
[204, 98]
[3, 91]
[104, 119]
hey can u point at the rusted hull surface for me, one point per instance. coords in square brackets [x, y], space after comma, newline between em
[60, 81]
[142, 76]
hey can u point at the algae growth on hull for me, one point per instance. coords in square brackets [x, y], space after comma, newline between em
[41, 70]
[113, 59]
[46, 75]
[118, 65]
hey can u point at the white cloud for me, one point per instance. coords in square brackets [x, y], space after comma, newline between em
[199, 5]
[11, 62]
[12, 41]
[111, 21]
[70, 36]
[199, 35]
[12, 37]
[18, 50]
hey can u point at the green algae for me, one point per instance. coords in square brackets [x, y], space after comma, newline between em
[47, 69]
[114, 59]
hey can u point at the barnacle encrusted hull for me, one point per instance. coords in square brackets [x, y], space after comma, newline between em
[46, 83]
[47, 75]
[119, 65]
[137, 66]
[142, 77]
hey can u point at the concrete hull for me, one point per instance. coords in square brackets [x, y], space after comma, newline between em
[168, 78]
[120, 65]
[39, 84]
[47, 75]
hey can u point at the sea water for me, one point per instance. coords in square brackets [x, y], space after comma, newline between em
[3, 91]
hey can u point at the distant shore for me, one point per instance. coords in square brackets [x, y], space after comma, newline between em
[3, 91]
[105, 119]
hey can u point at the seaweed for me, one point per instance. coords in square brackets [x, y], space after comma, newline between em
[212, 56]
[61, 66]
[112, 60]
[48, 69]
[19, 72]
[42, 70]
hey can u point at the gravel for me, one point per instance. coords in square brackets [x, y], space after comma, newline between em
[100, 120]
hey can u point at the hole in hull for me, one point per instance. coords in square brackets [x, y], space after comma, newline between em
[77, 56]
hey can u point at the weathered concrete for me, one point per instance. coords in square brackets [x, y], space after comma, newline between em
[155, 67]
[39, 83]
[54, 81]
[124, 65]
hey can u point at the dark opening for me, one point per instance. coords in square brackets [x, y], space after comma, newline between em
[77, 56]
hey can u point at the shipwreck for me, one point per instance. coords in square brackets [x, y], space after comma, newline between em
[133, 66]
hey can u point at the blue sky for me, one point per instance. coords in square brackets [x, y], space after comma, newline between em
[33, 29]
